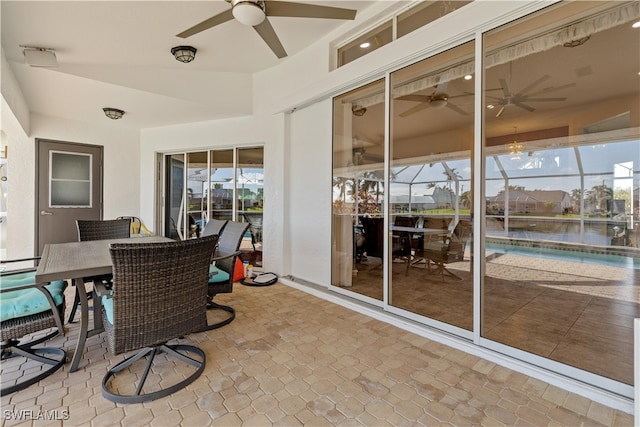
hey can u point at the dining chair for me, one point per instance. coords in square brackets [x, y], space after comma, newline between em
[373, 229]
[222, 268]
[159, 294]
[214, 227]
[450, 250]
[99, 230]
[29, 311]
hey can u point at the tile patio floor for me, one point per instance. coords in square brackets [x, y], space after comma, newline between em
[292, 359]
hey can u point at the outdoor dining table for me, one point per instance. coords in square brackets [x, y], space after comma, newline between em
[74, 261]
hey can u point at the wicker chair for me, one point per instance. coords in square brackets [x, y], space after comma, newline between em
[214, 227]
[221, 271]
[28, 308]
[451, 250]
[99, 230]
[159, 294]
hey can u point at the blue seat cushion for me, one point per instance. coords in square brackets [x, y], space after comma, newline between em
[107, 306]
[26, 302]
[216, 275]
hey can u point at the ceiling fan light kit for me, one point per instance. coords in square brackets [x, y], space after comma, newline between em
[113, 113]
[184, 54]
[248, 12]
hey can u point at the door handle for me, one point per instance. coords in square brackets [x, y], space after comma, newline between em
[43, 212]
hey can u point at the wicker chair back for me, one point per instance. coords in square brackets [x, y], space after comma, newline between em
[159, 291]
[103, 229]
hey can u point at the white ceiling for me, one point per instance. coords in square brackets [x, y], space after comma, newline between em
[117, 54]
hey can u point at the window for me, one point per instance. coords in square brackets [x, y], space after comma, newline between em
[416, 17]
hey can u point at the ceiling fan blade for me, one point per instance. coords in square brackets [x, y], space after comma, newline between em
[415, 98]
[499, 113]
[534, 84]
[300, 10]
[457, 109]
[545, 99]
[207, 23]
[552, 89]
[524, 106]
[415, 109]
[505, 87]
[266, 31]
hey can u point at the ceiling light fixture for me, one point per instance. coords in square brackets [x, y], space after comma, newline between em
[39, 56]
[468, 77]
[515, 148]
[636, 25]
[365, 45]
[578, 42]
[184, 54]
[113, 113]
[248, 12]
[358, 111]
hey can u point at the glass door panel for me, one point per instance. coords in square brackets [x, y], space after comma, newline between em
[562, 163]
[174, 189]
[197, 183]
[221, 184]
[430, 188]
[358, 252]
[250, 199]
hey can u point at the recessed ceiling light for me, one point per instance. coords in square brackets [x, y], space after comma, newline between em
[490, 107]
[636, 24]
[365, 45]
[468, 77]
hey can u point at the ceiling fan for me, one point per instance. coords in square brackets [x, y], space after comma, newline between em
[254, 13]
[438, 99]
[518, 99]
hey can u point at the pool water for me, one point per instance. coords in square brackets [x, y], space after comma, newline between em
[574, 256]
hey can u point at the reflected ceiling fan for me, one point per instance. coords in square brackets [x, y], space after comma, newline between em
[254, 13]
[438, 99]
[519, 99]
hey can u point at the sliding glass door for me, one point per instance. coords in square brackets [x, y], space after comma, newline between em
[226, 184]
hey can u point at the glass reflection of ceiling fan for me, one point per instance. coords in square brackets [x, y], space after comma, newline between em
[519, 99]
[438, 99]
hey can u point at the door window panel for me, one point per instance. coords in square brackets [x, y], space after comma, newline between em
[70, 180]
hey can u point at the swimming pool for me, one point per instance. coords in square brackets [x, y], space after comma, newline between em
[567, 255]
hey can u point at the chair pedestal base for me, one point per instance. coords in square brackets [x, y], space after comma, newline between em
[215, 306]
[13, 349]
[139, 397]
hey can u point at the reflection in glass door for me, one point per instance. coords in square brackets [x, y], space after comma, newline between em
[358, 250]
[430, 189]
[174, 189]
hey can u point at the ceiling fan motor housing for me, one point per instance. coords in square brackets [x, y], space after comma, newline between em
[248, 12]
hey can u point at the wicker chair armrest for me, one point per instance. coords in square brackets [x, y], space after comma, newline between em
[218, 258]
[41, 287]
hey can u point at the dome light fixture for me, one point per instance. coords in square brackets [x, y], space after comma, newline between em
[113, 113]
[184, 54]
[248, 12]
